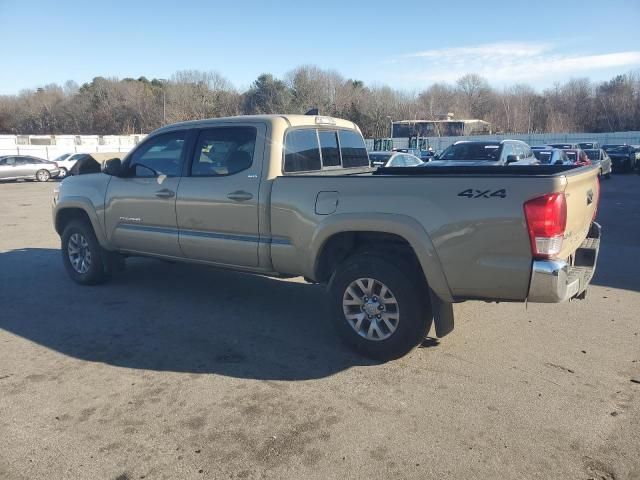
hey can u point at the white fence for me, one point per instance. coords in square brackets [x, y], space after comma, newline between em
[440, 143]
[52, 146]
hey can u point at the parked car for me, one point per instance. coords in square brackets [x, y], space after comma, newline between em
[623, 157]
[467, 153]
[393, 159]
[424, 155]
[295, 195]
[565, 146]
[599, 157]
[14, 167]
[66, 162]
[551, 156]
[589, 145]
[577, 156]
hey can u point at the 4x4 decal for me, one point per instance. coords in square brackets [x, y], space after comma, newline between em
[472, 193]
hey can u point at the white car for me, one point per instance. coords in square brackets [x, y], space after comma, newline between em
[66, 161]
[393, 159]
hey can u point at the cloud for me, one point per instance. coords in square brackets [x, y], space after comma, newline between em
[507, 62]
[504, 49]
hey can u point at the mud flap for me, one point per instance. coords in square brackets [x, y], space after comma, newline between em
[442, 315]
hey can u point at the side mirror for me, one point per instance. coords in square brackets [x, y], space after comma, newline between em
[112, 167]
[511, 159]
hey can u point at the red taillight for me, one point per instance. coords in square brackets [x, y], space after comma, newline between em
[546, 218]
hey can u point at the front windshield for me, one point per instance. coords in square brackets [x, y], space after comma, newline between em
[471, 151]
[616, 148]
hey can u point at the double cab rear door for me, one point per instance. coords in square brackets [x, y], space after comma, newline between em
[191, 193]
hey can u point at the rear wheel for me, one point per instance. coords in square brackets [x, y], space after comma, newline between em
[83, 257]
[377, 307]
[43, 175]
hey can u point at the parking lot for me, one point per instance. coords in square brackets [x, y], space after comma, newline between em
[178, 371]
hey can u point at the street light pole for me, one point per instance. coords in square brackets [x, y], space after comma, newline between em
[390, 126]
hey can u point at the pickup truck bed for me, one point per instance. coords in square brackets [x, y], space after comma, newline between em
[466, 224]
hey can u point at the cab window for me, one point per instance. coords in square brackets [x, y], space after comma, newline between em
[223, 151]
[160, 155]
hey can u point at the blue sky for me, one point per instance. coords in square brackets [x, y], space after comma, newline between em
[406, 44]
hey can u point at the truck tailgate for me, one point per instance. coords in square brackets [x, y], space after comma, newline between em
[582, 191]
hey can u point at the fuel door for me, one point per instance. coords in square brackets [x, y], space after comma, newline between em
[326, 203]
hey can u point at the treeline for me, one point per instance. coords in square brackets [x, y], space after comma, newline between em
[112, 106]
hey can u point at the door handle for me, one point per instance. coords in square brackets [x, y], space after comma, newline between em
[165, 193]
[239, 196]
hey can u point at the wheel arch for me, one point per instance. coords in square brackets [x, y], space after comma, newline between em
[342, 235]
[78, 209]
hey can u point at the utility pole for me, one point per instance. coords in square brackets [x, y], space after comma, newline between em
[164, 100]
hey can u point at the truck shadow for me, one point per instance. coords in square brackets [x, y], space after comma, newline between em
[174, 317]
[619, 215]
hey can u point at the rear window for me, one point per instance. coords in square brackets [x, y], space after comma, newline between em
[354, 151]
[593, 154]
[310, 149]
[329, 148]
[471, 151]
[379, 158]
[616, 148]
[302, 152]
[543, 155]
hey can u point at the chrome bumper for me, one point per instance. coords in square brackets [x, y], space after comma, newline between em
[555, 281]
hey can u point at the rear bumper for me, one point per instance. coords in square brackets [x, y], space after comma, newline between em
[555, 281]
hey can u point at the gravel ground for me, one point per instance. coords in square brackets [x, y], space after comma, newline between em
[184, 372]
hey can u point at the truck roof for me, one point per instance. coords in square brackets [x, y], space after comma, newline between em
[286, 120]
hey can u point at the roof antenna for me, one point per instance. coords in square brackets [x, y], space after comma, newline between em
[313, 111]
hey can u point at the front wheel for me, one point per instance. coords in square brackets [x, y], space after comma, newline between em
[83, 257]
[63, 172]
[377, 307]
[43, 175]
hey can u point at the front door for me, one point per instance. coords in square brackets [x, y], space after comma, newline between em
[217, 205]
[140, 213]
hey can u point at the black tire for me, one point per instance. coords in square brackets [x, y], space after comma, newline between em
[414, 314]
[43, 175]
[97, 271]
[63, 173]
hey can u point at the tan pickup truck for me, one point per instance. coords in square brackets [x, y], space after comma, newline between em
[293, 195]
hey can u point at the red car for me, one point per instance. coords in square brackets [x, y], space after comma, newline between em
[577, 156]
